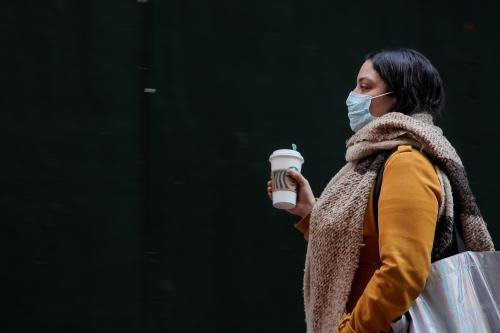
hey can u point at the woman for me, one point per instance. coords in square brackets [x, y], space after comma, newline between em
[361, 275]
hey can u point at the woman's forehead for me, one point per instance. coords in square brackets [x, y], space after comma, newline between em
[367, 72]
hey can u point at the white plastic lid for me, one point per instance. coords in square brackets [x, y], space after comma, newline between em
[286, 152]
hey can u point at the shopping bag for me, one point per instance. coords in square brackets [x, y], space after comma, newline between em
[461, 295]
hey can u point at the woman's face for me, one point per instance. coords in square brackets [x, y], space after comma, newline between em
[370, 83]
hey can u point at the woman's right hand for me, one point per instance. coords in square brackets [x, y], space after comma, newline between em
[305, 196]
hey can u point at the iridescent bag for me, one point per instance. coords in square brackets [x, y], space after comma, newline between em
[461, 295]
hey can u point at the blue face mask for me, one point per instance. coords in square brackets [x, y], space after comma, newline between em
[358, 107]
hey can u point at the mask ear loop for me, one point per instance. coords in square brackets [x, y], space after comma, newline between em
[387, 93]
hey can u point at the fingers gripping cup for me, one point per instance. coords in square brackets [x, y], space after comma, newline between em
[284, 186]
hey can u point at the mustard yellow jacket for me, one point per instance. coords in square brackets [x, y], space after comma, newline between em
[395, 261]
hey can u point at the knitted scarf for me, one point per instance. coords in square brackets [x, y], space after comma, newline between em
[336, 222]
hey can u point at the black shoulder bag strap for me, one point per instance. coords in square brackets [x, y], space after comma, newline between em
[378, 186]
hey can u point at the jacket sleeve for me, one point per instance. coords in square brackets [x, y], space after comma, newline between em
[408, 208]
[303, 226]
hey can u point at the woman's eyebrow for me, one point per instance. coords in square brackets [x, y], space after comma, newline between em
[364, 78]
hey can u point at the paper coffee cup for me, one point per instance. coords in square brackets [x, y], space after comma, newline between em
[284, 186]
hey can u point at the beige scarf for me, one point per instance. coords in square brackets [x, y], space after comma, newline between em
[336, 223]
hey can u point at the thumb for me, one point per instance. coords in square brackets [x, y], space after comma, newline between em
[297, 176]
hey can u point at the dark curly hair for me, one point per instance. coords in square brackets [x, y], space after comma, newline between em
[416, 83]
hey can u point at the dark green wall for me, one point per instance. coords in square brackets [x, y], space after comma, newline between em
[72, 200]
[134, 212]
